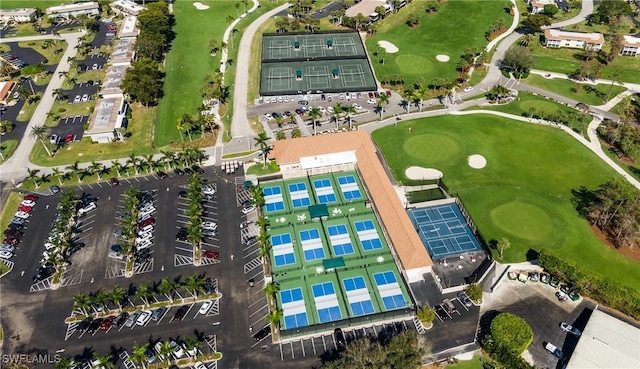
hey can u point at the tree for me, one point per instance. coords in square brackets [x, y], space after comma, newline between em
[474, 291]
[261, 142]
[498, 93]
[413, 20]
[117, 294]
[617, 43]
[5, 127]
[166, 287]
[40, 132]
[213, 47]
[535, 22]
[165, 350]
[426, 315]
[96, 168]
[610, 9]
[143, 293]
[502, 245]
[82, 301]
[550, 10]
[143, 81]
[138, 354]
[382, 102]
[295, 132]
[404, 351]
[280, 135]
[274, 317]
[194, 284]
[511, 332]
[518, 58]
[58, 174]
[104, 361]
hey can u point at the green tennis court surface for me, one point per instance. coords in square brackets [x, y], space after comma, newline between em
[329, 255]
[303, 63]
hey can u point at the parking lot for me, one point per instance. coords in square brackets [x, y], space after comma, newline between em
[70, 126]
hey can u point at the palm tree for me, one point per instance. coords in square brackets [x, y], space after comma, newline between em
[117, 294]
[184, 123]
[165, 350]
[271, 289]
[194, 284]
[96, 168]
[191, 343]
[58, 174]
[148, 159]
[274, 317]
[117, 166]
[133, 161]
[65, 363]
[261, 142]
[99, 297]
[166, 287]
[262, 223]
[349, 109]
[382, 101]
[314, 113]
[143, 293]
[138, 354]
[337, 110]
[104, 361]
[33, 175]
[40, 133]
[82, 301]
[75, 168]
[168, 157]
[238, 10]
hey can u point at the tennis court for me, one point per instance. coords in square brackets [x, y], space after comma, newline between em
[299, 195]
[349, 187]
[326, 300]
[389, 290]
[444, 231]
[324, 191]
[273, 199]
[294, 312]
[283, 253]
[292, 47]
[358, 296]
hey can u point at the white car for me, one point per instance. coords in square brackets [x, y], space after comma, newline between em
[356, 106]
[77, 99]
[143, 238]
[146, 211]
[28, 203]
[191, 353]
[266, 100]
[371, 101]
[7, 247]
[48, 246]
[85, 98]
[248, 209]
[178, 352]
[206, 306]
[571, 329]
[143, 244]
[146, 229]
[467, 89]
[322, 109]
[22, 215]
[5, 255]
[144, 317]
[268, 116]
[209, 225]
[330, 109]
[341, 96]
[208, 190]
[90, 206]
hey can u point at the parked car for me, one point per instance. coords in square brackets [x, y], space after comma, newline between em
[85, 98]
[114, 181]
[206, 306]
[162, 175]
[197, 169]
[54, 189]
[464, 299]
[561, 296]
[21, 214]
[43, 273]
[158, 313]
[144, 317]
[121, 319]
[199, 365]
[339, 336]
[132, 319]
[554, 350]
[178, 171]
[11, 241]
[30, 197]
[25, 209]
[16, 220]
[209, 225]
[248, 209]
[180, 313]
[28, 203]
[95, 324]
[77, 99]
[571, 329]
[146, 222]
[262, 334]
[178, 351]
[15, 227]
[211, 254]
[107, 322]
[87, 208]
[5, 255]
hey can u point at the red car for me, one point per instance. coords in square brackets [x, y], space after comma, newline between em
[146, 222]
[26, 209]
[11, 241]
[31, 197]
[107, 322]
[69, 138]
[388, 93]
[210, 254]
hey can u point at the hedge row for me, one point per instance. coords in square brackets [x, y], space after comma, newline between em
[602, 289]
[505, 357]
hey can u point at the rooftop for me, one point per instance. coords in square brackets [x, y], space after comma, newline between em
[17, 12]
[128, 6]
[129, 27]
[113, 79]
[123, 51]
[72, 7]
[591, 37]
[400, 230]
[631, 41]
[105, 117]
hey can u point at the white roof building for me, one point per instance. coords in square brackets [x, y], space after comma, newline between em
[18, 15]
[129, 27]
[630, 46]
[607, 342]
[107, 118]
[73, 10]
[126, 6]
[578, 40]
[537, 6]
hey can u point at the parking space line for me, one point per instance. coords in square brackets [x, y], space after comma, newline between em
[251, 253]
[257, 311]
[255, 276]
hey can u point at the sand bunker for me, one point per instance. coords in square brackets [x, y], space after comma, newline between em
[477, 161]
[422, 173]
[442, 58]
[200, 6]
[388, 47]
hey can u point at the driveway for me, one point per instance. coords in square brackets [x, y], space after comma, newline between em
[536, 303]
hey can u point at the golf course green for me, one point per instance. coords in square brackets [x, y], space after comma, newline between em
[526, 191]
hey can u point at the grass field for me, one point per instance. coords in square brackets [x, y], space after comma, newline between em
[259, 170]
[418, 47]
[524, 103]
[140, 127]
[188, 62]
[525, 191]
[10, 207]
[7, 147]
[588, 94]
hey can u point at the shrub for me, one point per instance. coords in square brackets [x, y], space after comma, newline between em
[426, 315]
[511, 332]
[474, 291]
[502, 355]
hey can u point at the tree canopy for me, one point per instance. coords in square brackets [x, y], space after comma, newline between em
[535, 22]
[518, 58]
[143, 81]
[609, 9]
[512, 332]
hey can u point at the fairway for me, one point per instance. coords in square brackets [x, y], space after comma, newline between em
[524, 194]
[189, 62]
[458, 25]
[585, 93]
[437, 147]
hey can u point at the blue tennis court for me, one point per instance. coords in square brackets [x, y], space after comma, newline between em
[299, 195]
[349, 188]
[326, 301]
[368, 235]
[340, 240]
[294, 309]
[389, 290]
[283, 253]
[444, 230]
[324, 191]
[358, 296]
[273, 200]
[311, 244]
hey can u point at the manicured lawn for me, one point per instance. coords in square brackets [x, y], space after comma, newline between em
[463, 22]
[523, 104]
[10, 207]
[65, 109]
[7, 147]
[260, 170]
[189, 62]
[524, 193]
[586, 93]
[27, 111]
[140, 127]
[48, 53]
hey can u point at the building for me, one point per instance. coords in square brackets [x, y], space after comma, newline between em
[6, 89]
[126, 6]
[576, 40]
[537, 6]
[630, 46]
[304, 156]
[108, 117]
[18, 15]
[112, 80]
[129, 27]
[123, 51]
[606, 342]
[73, 10]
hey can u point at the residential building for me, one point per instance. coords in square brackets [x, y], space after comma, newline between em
[129, 28]
[73, 10]
[112, 80]
[6, 89]
[18, 15]
[123, 51]
[126, 6]
[630, 46]
[537, 6]
[576, 40]
[108, 117]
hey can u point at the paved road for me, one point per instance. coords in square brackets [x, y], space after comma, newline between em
[15, 167]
